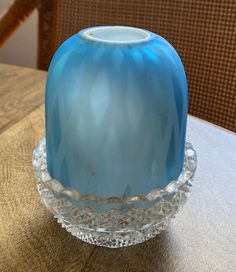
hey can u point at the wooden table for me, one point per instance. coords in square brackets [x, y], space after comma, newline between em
[201, 238]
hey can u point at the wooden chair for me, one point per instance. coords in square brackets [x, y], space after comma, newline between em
[203, 32]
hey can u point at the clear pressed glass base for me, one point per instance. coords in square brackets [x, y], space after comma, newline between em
[114, 222]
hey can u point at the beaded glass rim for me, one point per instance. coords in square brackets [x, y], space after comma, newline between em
[40, 168]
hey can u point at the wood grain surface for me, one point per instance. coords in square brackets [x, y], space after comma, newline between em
[21, 91]
[201, 238]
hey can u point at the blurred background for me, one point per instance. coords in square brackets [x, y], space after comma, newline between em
[21, 48]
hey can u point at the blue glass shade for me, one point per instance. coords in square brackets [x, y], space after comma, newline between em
[116, 108]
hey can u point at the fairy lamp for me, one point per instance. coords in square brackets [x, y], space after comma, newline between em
[115, 165]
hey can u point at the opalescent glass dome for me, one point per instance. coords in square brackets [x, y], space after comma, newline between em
[116, 108]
